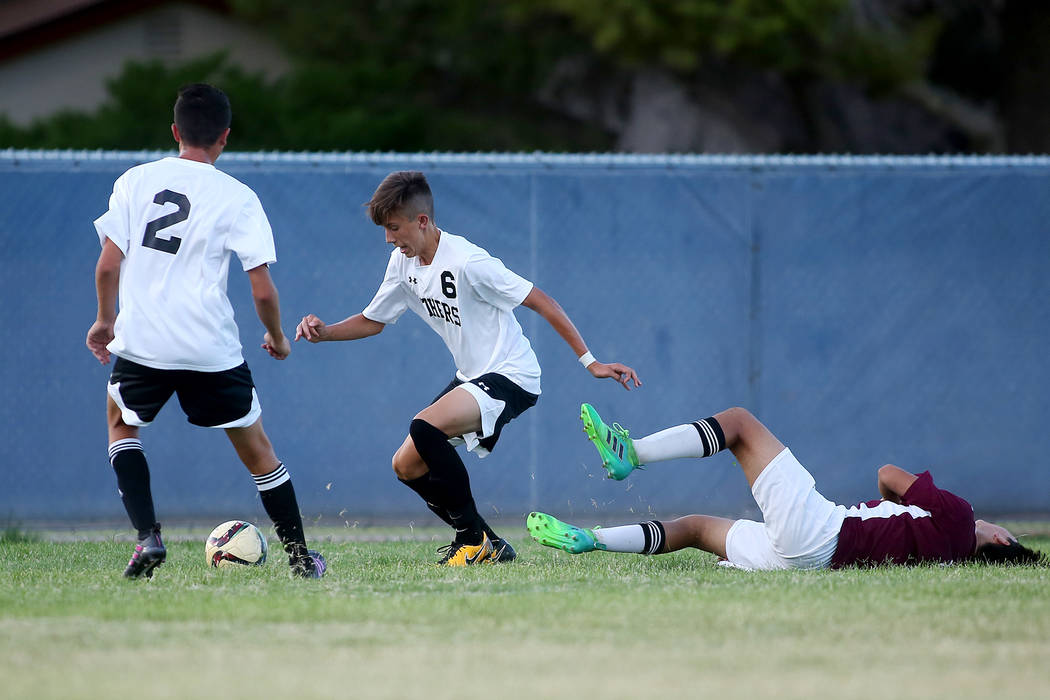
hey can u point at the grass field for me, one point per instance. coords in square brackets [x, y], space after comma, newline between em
[387, 623]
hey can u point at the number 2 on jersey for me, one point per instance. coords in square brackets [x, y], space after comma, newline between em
[166, 245]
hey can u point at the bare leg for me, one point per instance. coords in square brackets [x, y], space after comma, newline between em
[118, 429]
[254, 448]
[455, 413]
[751, 442]
[706, 532]
[407, 463]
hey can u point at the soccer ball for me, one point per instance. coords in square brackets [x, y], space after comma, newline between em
[235, 543]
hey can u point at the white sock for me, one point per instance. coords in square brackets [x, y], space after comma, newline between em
[643, 538]
[672, 443]
[625, 538]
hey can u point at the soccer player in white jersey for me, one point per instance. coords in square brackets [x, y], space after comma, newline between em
[914, 522]
[166, 243]
[467, 297]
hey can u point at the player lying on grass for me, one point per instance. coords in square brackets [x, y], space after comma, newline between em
[467, 297]
[914, 523]
[166, 244]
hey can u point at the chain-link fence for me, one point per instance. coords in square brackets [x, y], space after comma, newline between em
[869, 310]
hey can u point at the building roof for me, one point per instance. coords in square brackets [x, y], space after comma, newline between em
[26, 25]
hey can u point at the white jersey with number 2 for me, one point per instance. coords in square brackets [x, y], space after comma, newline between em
[468, 297]
[177, 221]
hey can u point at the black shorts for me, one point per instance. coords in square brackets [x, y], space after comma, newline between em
[225, 399]
[500, 388]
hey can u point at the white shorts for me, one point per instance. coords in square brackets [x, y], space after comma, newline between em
[801, 528]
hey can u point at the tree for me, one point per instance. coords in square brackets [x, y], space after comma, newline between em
[420, 75]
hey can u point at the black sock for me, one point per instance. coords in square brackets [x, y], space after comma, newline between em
[711, 435]
[449, 480]
[445, 516]
[278, 498]
[489, 531]
[132, 470]
[424, 487]
[653, 532]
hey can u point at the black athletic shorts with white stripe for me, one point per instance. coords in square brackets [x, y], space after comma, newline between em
[498, 388]
[225, 399]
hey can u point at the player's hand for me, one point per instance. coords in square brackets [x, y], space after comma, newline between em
[311, 328]
[615, 370]
[99, 336]
[278, 349]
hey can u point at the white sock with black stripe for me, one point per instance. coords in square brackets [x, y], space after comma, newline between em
[711, 434]
[701, 438]
[643, 538]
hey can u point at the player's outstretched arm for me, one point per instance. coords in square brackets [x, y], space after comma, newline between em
[549, 309]
[107, 282]
[357, 326]
[268, 308]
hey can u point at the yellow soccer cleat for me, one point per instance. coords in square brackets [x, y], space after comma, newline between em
[459, 554]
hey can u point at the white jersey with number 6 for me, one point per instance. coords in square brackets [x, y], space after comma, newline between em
[177, 221]
[468, 297]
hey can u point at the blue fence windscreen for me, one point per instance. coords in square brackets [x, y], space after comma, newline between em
[868, 310]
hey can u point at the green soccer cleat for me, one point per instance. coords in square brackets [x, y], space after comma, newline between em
[614, 444]
[549, 531]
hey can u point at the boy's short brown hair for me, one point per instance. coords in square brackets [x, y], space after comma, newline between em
[405, 192]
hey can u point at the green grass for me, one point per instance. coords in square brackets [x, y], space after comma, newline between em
[14, 533]
[386, 623]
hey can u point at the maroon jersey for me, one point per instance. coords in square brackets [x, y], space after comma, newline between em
[929, 525]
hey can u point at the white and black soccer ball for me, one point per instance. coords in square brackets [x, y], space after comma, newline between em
[235, 543]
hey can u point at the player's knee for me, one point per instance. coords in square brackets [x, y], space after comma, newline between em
[398, 465]
[422, 433]
[738, 415]
[406, 462]
[737, 424]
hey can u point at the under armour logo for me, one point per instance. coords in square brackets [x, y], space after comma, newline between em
[413, 280]
[483, 387]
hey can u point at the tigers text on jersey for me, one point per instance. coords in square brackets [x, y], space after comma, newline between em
[468, 298]
[177, 221]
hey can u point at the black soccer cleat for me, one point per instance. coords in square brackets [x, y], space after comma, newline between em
[313, 565]
[148, 555]
[502, 552]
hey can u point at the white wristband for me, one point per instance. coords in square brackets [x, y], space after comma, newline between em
[587, 358]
